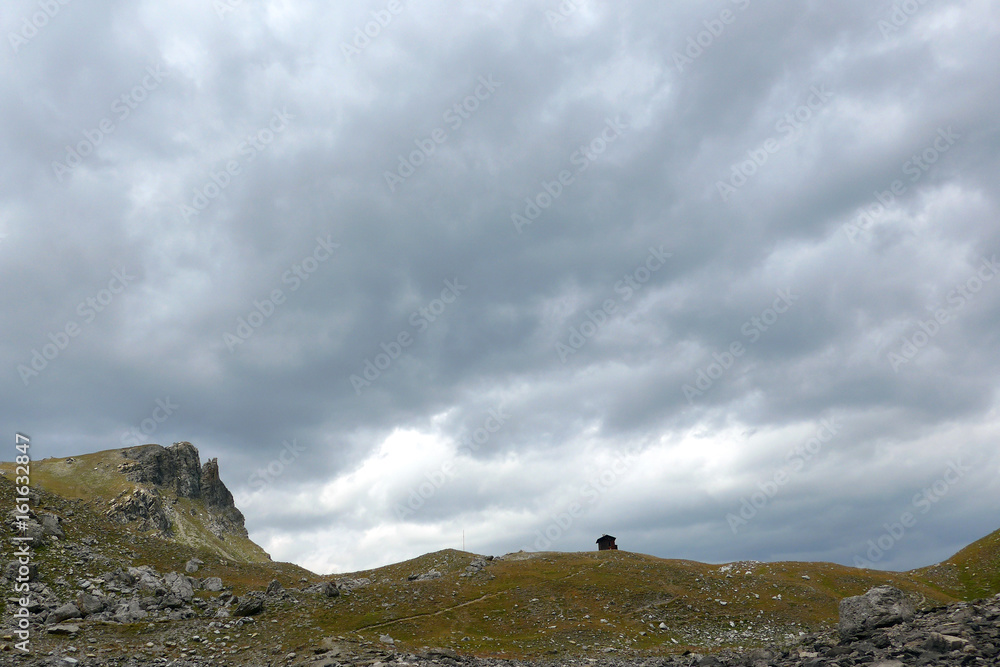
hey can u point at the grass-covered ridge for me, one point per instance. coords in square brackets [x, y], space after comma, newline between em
[96, 479]
[519, 605]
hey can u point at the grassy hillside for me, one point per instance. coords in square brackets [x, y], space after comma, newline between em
[540, 603]
[974, 572]
[95, 480]
[518, 605]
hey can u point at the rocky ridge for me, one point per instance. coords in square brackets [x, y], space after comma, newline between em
[178, 469]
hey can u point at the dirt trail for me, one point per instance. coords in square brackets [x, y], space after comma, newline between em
[447, 609]
[432, 613]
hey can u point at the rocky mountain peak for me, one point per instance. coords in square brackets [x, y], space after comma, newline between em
[226, 518]
[213, 490]
[178, 469]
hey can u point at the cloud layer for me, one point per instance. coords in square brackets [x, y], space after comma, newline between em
[721, 280]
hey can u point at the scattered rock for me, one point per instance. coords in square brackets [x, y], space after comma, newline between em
[63, 629]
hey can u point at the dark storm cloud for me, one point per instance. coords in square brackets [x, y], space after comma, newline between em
[468, 259]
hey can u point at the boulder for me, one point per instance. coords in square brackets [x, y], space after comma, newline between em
[147, 580]
[330, 589]
[50, 526]
[351, 584]
[64, 613]
[275, 588]
[129, 611]
[192, 565]
[89, 604]
[13, 570]
[250, 604]
[879, 607]
[30, 528]
[180, 585]
[213, 584]
[944, 643]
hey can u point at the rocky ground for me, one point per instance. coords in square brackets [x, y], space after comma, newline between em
[881, 629]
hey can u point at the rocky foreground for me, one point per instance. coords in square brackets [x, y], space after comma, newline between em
[880, 628]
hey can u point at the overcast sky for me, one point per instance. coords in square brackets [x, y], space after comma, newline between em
[717, 278]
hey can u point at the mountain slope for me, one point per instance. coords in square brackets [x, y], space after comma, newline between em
[101, 513]
[972, 573]
[154, 490]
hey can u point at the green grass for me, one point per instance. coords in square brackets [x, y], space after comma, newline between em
[531, 605]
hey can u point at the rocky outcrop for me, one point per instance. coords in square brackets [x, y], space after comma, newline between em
[178, 469]
[142, 506]
[225, 517]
